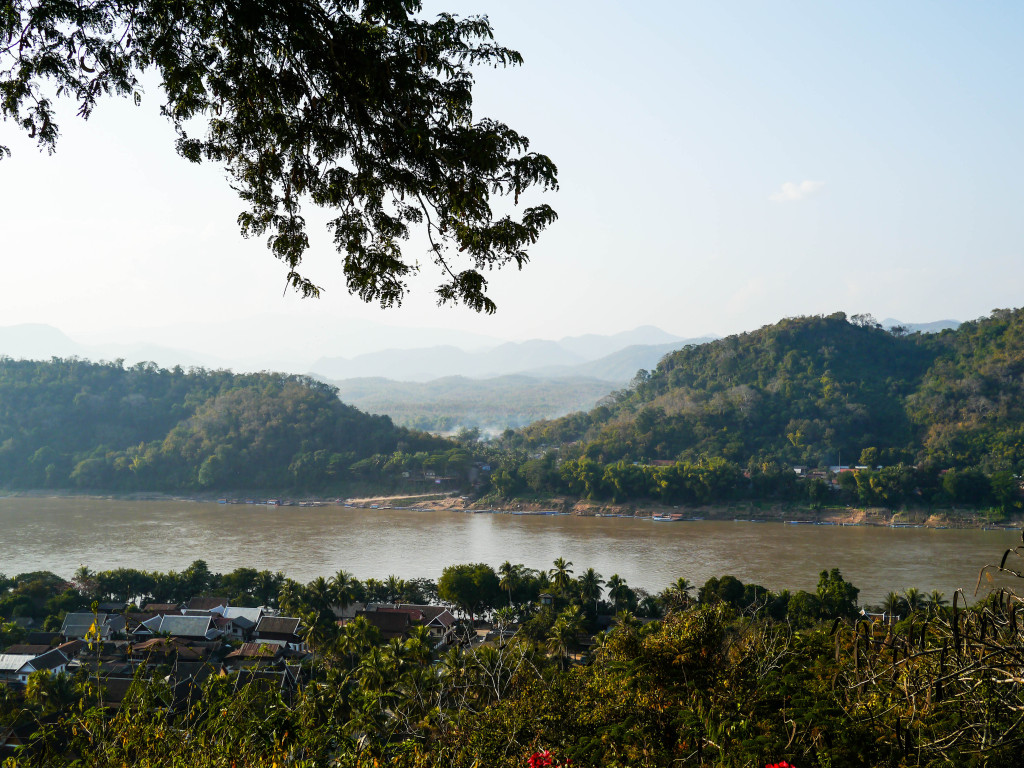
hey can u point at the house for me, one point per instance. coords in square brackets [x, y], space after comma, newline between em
[254, 655]
[24, 649]
[165, 650]
[184, 627]
[43, 638]
[390, 623]
[16, 667]
[162, 608]
[112, 607]
[206, 603]
[104, 626]
[241, 622]
[52, 661]
[280, 630]
[437, 619]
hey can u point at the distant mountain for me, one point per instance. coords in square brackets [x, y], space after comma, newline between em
[621, 366]
[592, 346]
[36, 341]
[932, 327]
[491, 405]
[591, 356]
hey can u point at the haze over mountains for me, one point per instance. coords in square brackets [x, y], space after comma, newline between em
[433, 379]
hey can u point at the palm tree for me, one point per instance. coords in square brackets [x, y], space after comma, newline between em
[590, 583]
[937, 601]
[618, 590]
[676, 597]
[290, 597]
[419, 645]
[510, 575]
[893, 605]
[564, 632]
[561, 574]
[395, 588]
[343, 585]
[320, 594]
[914, 599]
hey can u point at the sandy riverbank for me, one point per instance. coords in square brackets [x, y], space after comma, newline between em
[744, 511]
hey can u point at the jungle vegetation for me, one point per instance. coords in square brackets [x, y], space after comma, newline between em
[730, 674]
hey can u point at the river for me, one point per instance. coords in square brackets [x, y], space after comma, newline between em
[59, 534]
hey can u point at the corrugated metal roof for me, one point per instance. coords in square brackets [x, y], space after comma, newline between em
[12, 662]
[252, 614]
[185, 626]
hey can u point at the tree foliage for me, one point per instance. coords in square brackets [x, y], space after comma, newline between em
[362, 107]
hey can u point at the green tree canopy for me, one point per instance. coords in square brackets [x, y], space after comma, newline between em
[473, 587]
[360, 106]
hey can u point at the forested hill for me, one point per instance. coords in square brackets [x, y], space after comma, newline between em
[817, 390]
[73, 423]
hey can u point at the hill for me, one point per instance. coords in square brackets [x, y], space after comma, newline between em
[72, 423]
[821, 391]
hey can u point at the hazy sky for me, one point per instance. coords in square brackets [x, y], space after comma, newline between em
[722, 165]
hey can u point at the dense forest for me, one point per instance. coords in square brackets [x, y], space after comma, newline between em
[820, 390]
[76, 424]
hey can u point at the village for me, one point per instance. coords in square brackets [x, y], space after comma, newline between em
[185, 644]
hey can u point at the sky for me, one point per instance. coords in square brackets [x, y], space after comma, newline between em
[722, 165]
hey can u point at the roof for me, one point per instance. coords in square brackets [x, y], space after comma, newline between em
[254, 651]
[252, 614]
[78, 624]
[12, 662]
[162, 607]
[433, 613]
[169, 645]
[21, 650]
[278, 625]
[71, 647]
[390, 623]
[207, 603]
[42, 638]
[185, 626]
[112, 607]
[415, 615]
[50, 660]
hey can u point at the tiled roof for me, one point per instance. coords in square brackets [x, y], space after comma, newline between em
[71, 647]
[254, 650]
[278, 625]
[432, 613]
[207, 603]
[50, 660]
[42, 638]
[21, 650]
[169, 645]
[162, 607]
[390, 623]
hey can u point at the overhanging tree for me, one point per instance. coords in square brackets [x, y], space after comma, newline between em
[359, 106]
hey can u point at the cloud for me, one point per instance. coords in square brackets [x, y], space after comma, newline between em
[793, 191]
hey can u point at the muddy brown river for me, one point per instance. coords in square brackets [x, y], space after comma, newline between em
[59, 534]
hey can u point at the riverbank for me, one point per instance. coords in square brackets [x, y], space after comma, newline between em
[754, 512]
